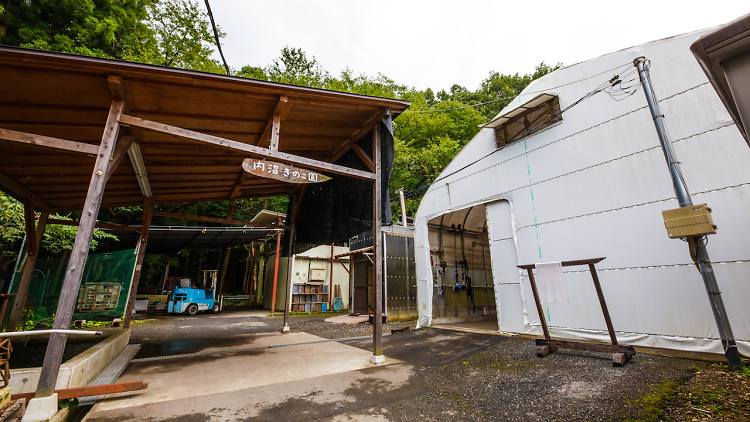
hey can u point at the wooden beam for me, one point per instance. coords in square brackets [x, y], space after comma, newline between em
[212, 220]
[279, 113]
[148, 210]
[238, 185]
[74, 273]
[93, 390]
[275, 129]
[357, 136]
[363, 250]
[363, 155]
[121, 149]
[33, 240]
[48, 142]
[98, 225]
[25, 193]
[121, 92]
[239, 146]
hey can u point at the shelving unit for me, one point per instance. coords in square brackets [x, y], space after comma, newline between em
[309, 297]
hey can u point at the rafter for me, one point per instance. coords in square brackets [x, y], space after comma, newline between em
[24, 193]
[48, 142]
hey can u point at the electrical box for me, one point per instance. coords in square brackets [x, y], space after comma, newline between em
[689, 221]
[317, 274]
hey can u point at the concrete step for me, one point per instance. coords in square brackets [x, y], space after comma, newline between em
[111, 373]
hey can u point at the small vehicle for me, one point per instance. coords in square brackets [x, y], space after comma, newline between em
[190, 299]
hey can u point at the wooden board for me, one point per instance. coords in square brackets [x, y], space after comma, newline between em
[282, 172]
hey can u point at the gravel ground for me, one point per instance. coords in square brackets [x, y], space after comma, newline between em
[506, 381]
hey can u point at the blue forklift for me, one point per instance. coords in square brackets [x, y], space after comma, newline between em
[189, 298]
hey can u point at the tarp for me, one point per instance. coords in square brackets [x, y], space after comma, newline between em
[594, 185]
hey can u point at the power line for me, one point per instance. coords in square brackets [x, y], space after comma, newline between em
[216, 35]
[606, 87]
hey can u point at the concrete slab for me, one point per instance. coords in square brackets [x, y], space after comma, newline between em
[347, 319]
[185, 378]
[305, 400]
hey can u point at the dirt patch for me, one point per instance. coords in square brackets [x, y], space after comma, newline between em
[714, 393]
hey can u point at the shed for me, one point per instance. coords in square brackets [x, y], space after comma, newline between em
[84, 133]
[593, 183]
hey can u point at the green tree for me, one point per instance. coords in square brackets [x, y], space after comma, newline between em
[178, 34]
[103, 28]
[56, 237]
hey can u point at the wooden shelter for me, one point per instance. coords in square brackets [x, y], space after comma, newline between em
[84, 133]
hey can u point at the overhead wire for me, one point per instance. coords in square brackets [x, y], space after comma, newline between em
[216, 35]
[606, 87]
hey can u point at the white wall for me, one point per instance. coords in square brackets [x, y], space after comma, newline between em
[594, 185]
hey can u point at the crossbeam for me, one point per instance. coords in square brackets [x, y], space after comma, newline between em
[98, 225]
[48, 142]
[242, 147]
[213, 220]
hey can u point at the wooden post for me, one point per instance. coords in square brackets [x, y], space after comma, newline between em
[252, 278]
[275, 273]
[330, 287]
[148, 208]
[377, 248]
[538, 303]
[603, 304]
[74, 273]
[33, 240]
[289, 271]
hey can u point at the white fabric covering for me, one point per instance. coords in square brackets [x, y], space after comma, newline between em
[550, 283]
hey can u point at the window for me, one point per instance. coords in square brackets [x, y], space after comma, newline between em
[533, 116]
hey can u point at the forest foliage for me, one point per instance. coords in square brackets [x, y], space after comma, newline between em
[178, 33]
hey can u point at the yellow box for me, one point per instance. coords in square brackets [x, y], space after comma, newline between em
[689, 221]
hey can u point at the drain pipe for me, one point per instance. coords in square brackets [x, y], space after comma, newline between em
[699, 253]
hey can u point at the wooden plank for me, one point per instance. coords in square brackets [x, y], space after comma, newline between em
[212, 219]
[148, 210]
[74, 273]
[22, 192]
[363, 250]
[34, 236]
[98, 225]
[94, 390]
[583, 345]
[281, 172]
[363, 155]
[48, 142]
[568, 263]
[239, 146]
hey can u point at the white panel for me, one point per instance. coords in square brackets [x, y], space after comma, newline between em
[424, 273]
[510, 307]
[505, 262]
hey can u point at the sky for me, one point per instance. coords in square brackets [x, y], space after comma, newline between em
[436, 44]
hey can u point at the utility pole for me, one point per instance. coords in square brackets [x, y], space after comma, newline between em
[698, 251]
[403, 207]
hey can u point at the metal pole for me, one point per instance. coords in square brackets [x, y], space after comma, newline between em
[697, 244]
[403, 206]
